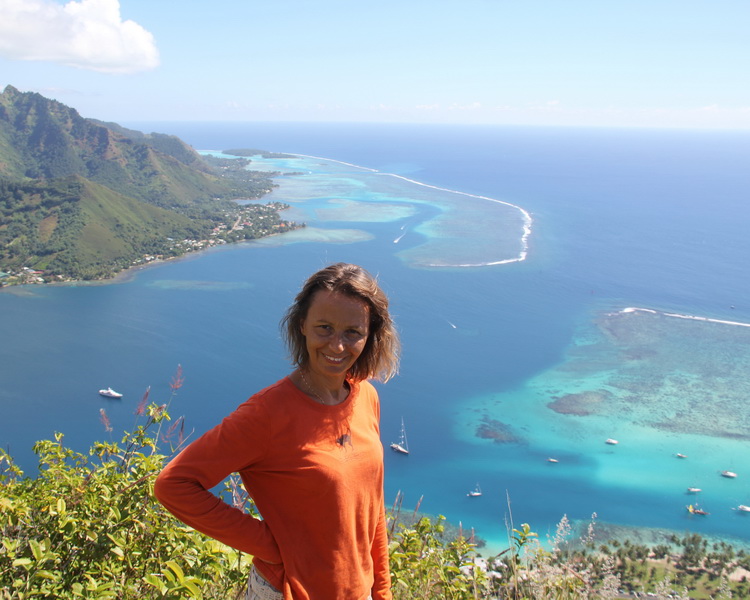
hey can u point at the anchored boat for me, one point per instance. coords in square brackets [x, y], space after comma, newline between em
[402, 446]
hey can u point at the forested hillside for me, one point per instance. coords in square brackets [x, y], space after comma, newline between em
[83, 199]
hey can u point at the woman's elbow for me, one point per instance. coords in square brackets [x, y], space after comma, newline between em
[162, 488]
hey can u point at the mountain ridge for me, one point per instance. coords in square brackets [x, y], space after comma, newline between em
[56, 167]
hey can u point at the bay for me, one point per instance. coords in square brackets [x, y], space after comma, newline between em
[619, 218]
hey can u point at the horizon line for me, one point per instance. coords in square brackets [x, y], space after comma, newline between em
[446, 124]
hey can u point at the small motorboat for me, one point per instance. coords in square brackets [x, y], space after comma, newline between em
[694, 510]
[110, 393]
[694, 490]
[611, 442]
[729, 474]
[553, 460]
[681, 455]
[743, 508]
[477, 491]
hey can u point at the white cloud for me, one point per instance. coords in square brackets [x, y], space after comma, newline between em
[87, 34]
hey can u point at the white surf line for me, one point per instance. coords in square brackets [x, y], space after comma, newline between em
[680, 316]
[341, 162]
[527, 220]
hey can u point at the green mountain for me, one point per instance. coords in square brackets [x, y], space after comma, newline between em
[79, 229]
[81, 198]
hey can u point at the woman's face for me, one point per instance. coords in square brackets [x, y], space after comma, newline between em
[335, 329]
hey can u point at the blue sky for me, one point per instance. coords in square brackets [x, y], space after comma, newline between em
[634, 63]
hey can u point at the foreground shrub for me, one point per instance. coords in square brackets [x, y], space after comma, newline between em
[89, 527]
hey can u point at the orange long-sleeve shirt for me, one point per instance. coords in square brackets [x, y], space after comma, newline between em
[315, 473]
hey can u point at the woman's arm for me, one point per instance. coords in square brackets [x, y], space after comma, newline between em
[183, 487]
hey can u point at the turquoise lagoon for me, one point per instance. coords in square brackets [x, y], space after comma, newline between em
[541, 280]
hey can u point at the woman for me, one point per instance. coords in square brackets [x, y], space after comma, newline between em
[309, 453]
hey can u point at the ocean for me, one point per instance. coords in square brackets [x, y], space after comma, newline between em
[554, 288]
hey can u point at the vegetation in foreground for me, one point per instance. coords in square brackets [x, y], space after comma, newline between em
[88, 527]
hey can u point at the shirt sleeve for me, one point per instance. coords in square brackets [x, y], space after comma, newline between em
[183, 486]
[381, 587]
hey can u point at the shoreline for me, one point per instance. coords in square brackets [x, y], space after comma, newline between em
[127, 275]
[604, 531]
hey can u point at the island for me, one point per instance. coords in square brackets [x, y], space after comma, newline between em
[256, 152]
[82, 199]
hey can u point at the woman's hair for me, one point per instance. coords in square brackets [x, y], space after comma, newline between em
[380, 357]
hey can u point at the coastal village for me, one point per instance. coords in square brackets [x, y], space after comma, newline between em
[251, 222]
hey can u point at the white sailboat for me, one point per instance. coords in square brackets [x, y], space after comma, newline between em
[402, 446]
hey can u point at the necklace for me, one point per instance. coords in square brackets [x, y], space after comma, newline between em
[309, 387]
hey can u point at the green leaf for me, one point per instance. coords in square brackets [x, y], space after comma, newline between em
[194, 589]
[118, 541]
[115, 513]
[46, 575]
[152, 579]
[177, 570]
[36, 550]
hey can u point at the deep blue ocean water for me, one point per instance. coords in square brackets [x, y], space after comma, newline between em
[620, 218]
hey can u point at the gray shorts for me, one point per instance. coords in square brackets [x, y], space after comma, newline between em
[259, 589]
